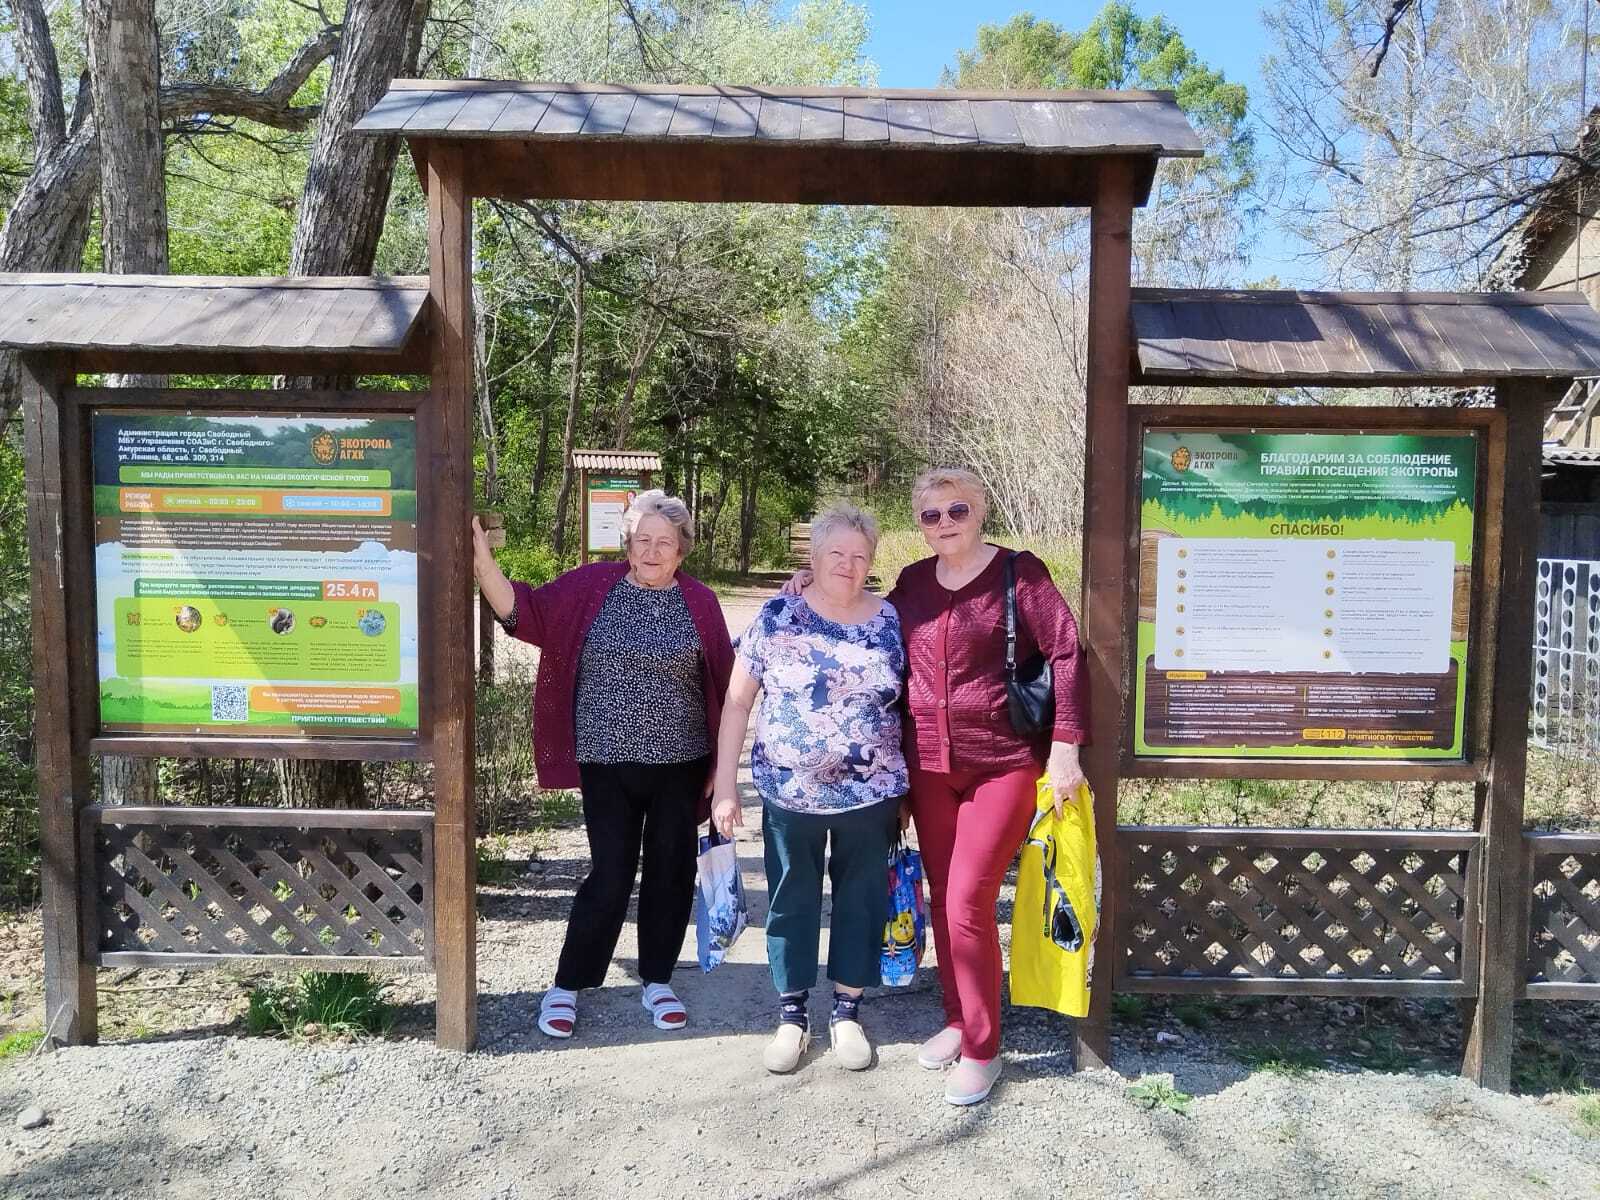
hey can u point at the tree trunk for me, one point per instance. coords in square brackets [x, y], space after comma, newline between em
[541, 459]
[336, 233]
[635, 369]
[574, 397]
[347, 180]
[748, 511]
[125, 83]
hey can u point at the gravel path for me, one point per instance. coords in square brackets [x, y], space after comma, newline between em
[625, 1110]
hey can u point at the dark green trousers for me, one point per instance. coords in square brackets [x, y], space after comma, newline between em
[797, 848]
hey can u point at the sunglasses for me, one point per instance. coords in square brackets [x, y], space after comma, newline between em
[958, 512]
[1061, 924]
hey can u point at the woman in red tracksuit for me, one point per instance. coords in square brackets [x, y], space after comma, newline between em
[973, 779]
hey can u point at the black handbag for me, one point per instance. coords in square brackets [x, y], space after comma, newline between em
[1030, 687]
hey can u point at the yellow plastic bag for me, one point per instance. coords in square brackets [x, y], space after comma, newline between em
[1057, 908]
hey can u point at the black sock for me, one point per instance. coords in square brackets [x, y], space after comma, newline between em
[846, 1007]
[792, 1008]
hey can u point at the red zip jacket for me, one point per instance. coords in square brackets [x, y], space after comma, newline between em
[557, 617]
[956, 645]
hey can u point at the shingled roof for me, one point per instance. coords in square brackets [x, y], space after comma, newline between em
[1362, 339]
[372, 321]
[840, 145]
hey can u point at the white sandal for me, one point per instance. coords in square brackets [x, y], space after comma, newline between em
[664, 1007]
[558, 1013]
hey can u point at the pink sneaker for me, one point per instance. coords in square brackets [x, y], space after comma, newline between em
[972, 1080]
[939, 1051]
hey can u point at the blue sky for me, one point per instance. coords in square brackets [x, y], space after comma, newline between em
[913, 39]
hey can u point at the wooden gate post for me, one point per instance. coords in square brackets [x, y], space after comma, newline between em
[1502, 891]
[52, 434]
[1105, 561]
[449, 620]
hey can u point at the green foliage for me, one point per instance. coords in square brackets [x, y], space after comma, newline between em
[19, 1043]
[1197, 1012]
[1129, 1006]
[1280, 1058]
[1587, 1113]
[495, 868]
[337, 1003]
[1541, 1066]
[19, 815]
[1159, 1091]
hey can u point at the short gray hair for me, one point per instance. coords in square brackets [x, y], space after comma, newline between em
[656, 503]
[842, 518]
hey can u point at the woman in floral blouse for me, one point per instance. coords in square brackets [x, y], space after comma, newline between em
[827, 763]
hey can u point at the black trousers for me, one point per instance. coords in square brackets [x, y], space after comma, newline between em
[629, 808]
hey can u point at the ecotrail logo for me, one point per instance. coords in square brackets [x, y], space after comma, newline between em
[324, 447]
[1181, 459]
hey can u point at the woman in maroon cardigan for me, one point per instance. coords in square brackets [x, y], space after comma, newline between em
[633, 667]
[973, 779]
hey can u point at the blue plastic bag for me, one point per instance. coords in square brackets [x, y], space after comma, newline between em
[905, 934]
[719, 909]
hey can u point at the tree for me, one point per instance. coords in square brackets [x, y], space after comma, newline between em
[1413, 135]
[981, 323]
[337, 227]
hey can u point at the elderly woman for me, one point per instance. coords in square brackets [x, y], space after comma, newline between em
[827, 764]
[633, 667]
[973, 778]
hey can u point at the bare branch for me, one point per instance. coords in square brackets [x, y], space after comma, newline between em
[1396, 10]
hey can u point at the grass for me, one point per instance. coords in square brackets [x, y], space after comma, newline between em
[495, 868]
[1156, 1091]
[1588, 1113]
[1197, 1012]
[1280, 1058]
[23, 1041]
[1386, 1053]
[341, 1004]
[1128, 1006]
[1540, 1067]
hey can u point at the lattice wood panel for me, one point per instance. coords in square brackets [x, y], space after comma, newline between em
[1348, 912]
[360, 893]
[1564, 932]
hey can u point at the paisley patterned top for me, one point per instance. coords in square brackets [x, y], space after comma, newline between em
[828, 727]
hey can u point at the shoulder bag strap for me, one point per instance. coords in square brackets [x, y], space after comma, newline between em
[1011, 615]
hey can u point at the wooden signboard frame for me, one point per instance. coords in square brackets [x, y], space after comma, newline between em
[1490, 426]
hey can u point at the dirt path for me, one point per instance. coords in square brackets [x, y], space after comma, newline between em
[622, 1109]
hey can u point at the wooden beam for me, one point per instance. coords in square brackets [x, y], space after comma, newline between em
[1446, 771]
[1107, 504]
[1501, 896]
[139, 745]
[259, 818]
[249, 400]
[155, 961]
[787, 172]
[447, 611]
[1242, 985]
[71, 1016]
[412, 360]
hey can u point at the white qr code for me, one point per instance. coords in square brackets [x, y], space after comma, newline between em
[230, 703]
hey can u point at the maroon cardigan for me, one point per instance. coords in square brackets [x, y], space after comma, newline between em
[557, 617]
[956, 647]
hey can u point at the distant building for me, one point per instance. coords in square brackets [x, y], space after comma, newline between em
[1555, 247]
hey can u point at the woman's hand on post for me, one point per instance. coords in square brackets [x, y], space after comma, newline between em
[726, 815]
[797, 583]
[1065, 773]
[492, 581]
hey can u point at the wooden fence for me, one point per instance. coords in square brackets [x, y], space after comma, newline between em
[1231, 911]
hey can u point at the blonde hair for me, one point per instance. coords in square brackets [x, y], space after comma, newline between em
[842, 518]
[955, 479]
[656, 503]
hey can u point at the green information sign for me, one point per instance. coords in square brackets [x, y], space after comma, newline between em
[1304, 594]
[256, 574]
[607, 498]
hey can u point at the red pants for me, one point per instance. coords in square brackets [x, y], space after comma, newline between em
[969, 826]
